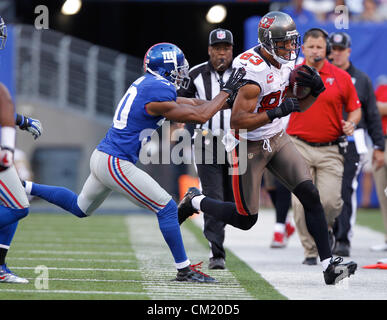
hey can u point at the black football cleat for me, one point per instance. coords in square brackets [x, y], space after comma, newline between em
[185, 208]
[337, 271]
[191, 274]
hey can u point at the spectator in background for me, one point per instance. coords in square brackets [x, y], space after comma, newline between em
[380, 174]
[298, 13]
[355, 156]
[370, 12]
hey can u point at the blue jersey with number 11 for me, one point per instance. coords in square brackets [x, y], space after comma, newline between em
[132, 123]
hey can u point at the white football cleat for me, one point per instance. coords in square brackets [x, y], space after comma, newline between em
[379, 247]
[7, 276]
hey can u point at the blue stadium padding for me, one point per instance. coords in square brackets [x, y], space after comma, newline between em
[369, 43]
[7, 75]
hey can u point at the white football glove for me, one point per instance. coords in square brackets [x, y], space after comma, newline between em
[34, 127]
[6, 157]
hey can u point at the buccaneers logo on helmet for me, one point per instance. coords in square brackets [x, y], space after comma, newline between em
[266, 22]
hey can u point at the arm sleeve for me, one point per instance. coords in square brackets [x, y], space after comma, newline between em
[352, 100]
[372, 117]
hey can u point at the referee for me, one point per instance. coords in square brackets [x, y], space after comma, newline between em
[212, 166]
[355, 157]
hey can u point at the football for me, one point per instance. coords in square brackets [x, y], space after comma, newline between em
[298, 91]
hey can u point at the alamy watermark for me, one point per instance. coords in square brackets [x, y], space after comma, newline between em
[175, 147]
[342, 18]
[42, 19]
[41, 281]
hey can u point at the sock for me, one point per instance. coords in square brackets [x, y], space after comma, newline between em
[279, 227]
[227, 212]
[62, 197]
[170, 228]
[3, 253]
[196, 201]
[10, 215]
[325, 263]
[282, 203]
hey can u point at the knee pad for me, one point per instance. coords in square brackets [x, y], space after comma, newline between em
[307, 193]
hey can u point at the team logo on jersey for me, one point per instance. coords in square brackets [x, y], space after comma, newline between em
[266, 22]
[330, 80]
[169, 56]
[270, 78]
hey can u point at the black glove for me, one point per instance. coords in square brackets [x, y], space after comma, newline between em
[287, 106]
[312, 81]
[234, 82]
[230, 100]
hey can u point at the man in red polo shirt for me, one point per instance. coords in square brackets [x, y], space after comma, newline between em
[380, 175]
[316, 134]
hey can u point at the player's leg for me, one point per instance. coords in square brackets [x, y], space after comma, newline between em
[242, 214]
[6, 236]
[291, 169]
[14, 204]
[14, 207]
[93, 193]
[141, 189]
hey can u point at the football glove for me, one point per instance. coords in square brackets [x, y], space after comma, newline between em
[234, 82]
[33, 126]
[312, 80]
[230, 100]
[287, 106]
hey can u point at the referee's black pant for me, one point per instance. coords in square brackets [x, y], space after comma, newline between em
[346, 220]
[216, 183]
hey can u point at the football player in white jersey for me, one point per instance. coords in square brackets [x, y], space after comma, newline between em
[257, 107]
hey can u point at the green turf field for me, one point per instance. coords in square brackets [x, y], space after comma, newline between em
[123, 257]
[94, 259]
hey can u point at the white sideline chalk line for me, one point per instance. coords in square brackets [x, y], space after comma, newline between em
[108, 253]
[71, 259]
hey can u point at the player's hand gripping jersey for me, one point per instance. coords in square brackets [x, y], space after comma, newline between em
[273, 83]
[132, 123]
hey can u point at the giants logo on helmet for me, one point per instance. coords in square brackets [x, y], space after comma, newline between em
[266, 22]
[169, 56]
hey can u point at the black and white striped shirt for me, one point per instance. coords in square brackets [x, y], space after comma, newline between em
[205, 84]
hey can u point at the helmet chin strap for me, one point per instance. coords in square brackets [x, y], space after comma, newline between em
[276, 57]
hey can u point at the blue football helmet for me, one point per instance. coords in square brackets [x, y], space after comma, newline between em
[3, 33]
[168, 61]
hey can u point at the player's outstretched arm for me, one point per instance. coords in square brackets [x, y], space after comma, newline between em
[194, 110]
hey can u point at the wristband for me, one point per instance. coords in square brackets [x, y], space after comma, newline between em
[8, 138]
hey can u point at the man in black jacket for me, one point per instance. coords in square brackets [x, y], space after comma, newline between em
[356, 150]
[206, 79]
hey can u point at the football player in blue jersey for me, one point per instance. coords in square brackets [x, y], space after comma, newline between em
[13, 200]
[147, 103]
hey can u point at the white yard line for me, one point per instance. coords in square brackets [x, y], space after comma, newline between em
[157, 267]
[79, 269]
[104, 253]
[73, 292]
[70, 259]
